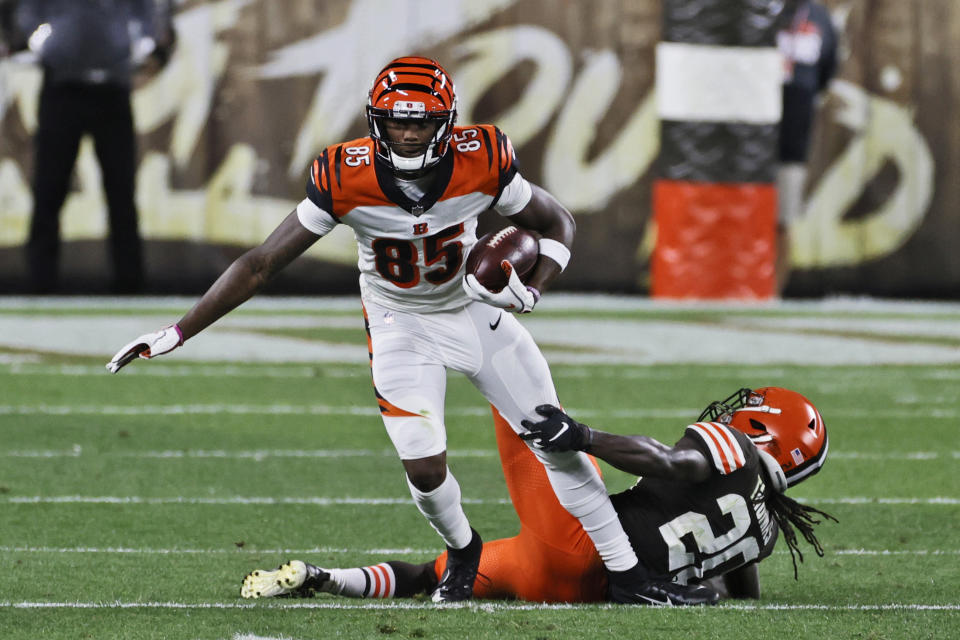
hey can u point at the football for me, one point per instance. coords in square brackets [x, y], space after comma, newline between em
[517, 245]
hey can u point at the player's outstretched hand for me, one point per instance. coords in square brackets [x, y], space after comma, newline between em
[516, 296]
[149, 345]
[558, 432]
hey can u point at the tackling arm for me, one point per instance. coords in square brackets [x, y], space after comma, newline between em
[639, 455]
[644, 456]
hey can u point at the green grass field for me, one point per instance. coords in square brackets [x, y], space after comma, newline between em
[131, 506]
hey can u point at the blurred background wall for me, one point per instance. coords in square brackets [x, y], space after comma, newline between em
[256, 88]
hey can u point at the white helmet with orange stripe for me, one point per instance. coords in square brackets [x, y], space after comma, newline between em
[786, 428]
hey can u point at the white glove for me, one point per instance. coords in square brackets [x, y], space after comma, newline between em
[149, 345]
[516, 296]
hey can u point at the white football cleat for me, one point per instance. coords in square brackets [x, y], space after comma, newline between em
[295, 579]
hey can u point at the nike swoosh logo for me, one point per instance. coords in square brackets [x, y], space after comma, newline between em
[662, 603]
[561, 432]
[494, 325]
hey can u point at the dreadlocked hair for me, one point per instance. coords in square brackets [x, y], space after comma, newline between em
[788, 514]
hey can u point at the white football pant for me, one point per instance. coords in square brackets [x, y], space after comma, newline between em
[410, 353]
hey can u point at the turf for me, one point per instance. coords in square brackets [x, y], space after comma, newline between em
[131, 506]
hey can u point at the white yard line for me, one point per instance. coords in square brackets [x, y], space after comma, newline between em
[235, 500]
[407, 551]
[326, 501]
[155, 370]
[325, 409]
[257, 455]
[312, 409]
[30, 365]
[78, 451]
[484, 607]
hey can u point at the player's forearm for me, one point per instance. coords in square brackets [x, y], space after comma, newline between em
[545, 215]
[638, 455]
[234, 287]
[644, 456]
[543, 274]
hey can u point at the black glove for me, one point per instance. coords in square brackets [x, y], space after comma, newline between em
[559, 432]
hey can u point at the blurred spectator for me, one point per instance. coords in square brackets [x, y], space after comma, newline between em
[809, 48]
[8, 34]
[89, 50]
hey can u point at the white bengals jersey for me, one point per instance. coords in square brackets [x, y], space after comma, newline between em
[411, 252]
[693, 531]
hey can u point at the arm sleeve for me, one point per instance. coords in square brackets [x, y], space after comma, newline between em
[318, 184]
[506, 164]
[315, 219]
[514, 197]
[719, 445]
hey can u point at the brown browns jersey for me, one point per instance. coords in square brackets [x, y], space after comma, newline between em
[693, 531]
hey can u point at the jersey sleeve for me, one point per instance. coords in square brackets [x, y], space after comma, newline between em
[507, 169]
[315, 212]
[514, 197]
[720, 445]
[315, 219]
[318, 183]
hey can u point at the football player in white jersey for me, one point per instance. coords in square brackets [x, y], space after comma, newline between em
[412, 191]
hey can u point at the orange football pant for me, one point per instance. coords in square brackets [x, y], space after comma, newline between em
[552, 559]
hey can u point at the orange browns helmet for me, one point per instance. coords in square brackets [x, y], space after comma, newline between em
[418, 89]
[786, 428]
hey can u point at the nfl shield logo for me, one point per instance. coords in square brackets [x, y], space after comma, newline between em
[797, 457]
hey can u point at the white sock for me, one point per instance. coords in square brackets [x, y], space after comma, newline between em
[376, 581]
[581, 491]
[443, 511]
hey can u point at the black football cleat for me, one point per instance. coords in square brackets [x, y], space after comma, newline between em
[456, 584]
[659, 593]
[295, 579]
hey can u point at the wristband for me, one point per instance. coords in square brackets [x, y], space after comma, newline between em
[535, 292]
[556, 251]
[176, 328]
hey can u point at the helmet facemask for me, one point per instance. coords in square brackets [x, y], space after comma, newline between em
[432, 150]
[722, 410]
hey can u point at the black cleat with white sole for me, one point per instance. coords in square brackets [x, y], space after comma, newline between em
[657, 593]
[456, 584]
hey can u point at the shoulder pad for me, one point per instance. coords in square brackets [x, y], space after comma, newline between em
[721, 444]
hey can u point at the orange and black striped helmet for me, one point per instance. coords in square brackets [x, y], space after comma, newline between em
[417, 89]
[782, 424]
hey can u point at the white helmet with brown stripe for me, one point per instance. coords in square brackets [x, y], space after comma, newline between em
[786, 428]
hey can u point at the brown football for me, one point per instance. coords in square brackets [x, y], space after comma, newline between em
[517, 245]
